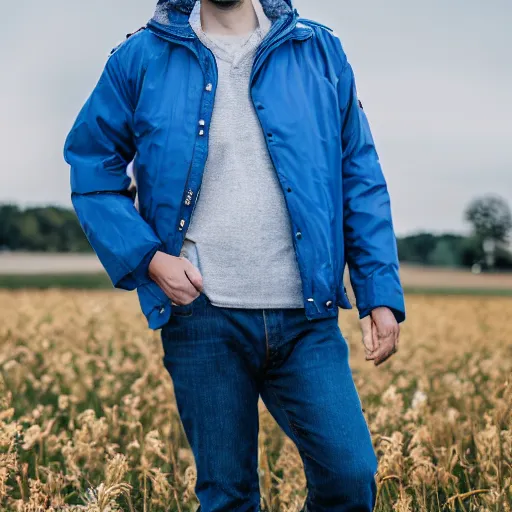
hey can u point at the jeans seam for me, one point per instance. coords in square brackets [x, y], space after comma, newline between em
[266, 339]
[280, 405]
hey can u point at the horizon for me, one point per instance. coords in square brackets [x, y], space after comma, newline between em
[437, 233]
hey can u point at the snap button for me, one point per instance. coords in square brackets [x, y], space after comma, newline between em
[311, 300]
[209, 87]
[202, 122]
[328, 304]
[182, 224]
[201, 132]
[298, 235]
[162, 310]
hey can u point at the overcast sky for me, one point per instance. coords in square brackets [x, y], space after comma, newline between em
[435, 79]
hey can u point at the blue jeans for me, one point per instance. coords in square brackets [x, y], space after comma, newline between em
[221, 360]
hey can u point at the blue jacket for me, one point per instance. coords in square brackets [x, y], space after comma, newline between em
[154, 101]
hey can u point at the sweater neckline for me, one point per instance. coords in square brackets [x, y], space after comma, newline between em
[215, 44]
[243, 46]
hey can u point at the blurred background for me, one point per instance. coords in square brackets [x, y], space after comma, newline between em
[434, 78]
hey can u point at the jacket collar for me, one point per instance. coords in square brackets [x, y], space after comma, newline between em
[167, 10]
[171, 18]
[264, 24]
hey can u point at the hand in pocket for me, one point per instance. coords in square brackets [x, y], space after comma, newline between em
[180, 280]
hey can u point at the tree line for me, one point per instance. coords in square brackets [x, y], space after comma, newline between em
[56, 229]
[450, 250]
[42, 229]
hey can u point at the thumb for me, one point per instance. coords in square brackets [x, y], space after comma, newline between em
[366, 330]
[194, 276]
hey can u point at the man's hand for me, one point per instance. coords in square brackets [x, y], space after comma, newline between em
[177, 277]
[380, 335]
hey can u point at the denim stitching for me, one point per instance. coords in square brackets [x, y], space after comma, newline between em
[266, 339]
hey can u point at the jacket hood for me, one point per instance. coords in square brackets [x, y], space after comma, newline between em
[273, 8]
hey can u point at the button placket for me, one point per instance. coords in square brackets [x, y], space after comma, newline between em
[194, 187]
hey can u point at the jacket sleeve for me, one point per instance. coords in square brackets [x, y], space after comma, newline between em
[370, 242]
[98, 149]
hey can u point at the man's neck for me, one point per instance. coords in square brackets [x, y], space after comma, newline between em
[238, 20]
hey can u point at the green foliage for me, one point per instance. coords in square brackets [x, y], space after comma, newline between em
[416, 248]
[491, 218]
[45, 229]
[62, 281]
[445, 250]
[503, 259]
[444, 255]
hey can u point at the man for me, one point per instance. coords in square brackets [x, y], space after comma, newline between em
[257, 109]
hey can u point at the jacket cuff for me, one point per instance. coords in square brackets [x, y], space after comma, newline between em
[381, 289]
[139, 276]
[155, 305]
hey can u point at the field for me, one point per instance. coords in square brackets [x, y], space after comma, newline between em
[88, 420]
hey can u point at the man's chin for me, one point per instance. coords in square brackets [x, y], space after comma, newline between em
[226, 4]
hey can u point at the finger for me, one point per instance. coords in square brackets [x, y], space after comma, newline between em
[182, 292]
[184, 299]
[375, 343]
[168, 290]
[385, 344]
[385, 351]
[382, 335]
[385, 357]
[376, 337]
[368, 355]
[366, 330]
[194, 276]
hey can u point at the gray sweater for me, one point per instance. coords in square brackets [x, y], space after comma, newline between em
[240, 235]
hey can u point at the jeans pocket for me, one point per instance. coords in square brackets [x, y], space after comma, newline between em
[186, 310]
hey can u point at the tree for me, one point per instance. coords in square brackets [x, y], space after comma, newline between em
[9, 230]
[492, 223]
[52, 229]
[416, 248]
[444, 254]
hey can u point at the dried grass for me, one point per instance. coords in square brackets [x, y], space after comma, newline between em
[88, 422]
